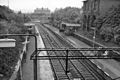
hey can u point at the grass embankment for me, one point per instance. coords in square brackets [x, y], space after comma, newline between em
[10, 56]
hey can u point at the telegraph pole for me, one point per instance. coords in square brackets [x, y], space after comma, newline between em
[8, 3]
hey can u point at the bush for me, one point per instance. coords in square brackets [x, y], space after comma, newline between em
[11, 23]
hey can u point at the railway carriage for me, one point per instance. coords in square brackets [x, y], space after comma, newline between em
[68, 28]
[62, 27]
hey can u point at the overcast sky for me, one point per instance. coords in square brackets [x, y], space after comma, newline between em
[30, 5]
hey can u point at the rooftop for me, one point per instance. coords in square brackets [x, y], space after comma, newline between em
[71, 24]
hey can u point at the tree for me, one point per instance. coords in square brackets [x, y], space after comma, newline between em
[12, 23]
[68, 14]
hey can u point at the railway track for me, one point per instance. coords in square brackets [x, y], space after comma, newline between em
[82, 69]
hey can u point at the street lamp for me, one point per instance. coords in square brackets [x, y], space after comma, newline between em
[8, 3]
[94, 36]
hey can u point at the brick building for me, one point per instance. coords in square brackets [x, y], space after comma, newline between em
[94, 8]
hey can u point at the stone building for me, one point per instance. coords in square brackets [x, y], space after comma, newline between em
[94, 8]
[41, 13]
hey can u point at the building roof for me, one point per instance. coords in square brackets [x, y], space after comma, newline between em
[29, 24]
[71, 24]
[7, 40]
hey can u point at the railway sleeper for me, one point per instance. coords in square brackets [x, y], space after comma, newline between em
[59, 72]
[83, 71]
[75, 75]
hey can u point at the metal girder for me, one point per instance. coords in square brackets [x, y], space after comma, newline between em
[80, 49]
[67, 57]
[75, 57]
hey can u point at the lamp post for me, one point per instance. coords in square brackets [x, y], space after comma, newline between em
[8, 3]
[94, 36]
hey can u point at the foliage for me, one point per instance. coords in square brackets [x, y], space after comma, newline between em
[108, 25]
[8, 59]
[106, 32]
[8, 15]
[5, 12]
[68, 14]
[11, 23]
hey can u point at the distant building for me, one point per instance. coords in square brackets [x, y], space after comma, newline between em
[94, 8]
[42, 11]
[41, 14]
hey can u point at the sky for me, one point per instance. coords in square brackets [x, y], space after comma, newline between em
[30, 5]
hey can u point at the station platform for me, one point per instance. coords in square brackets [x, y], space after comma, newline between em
[27, 67]
[44, 68]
